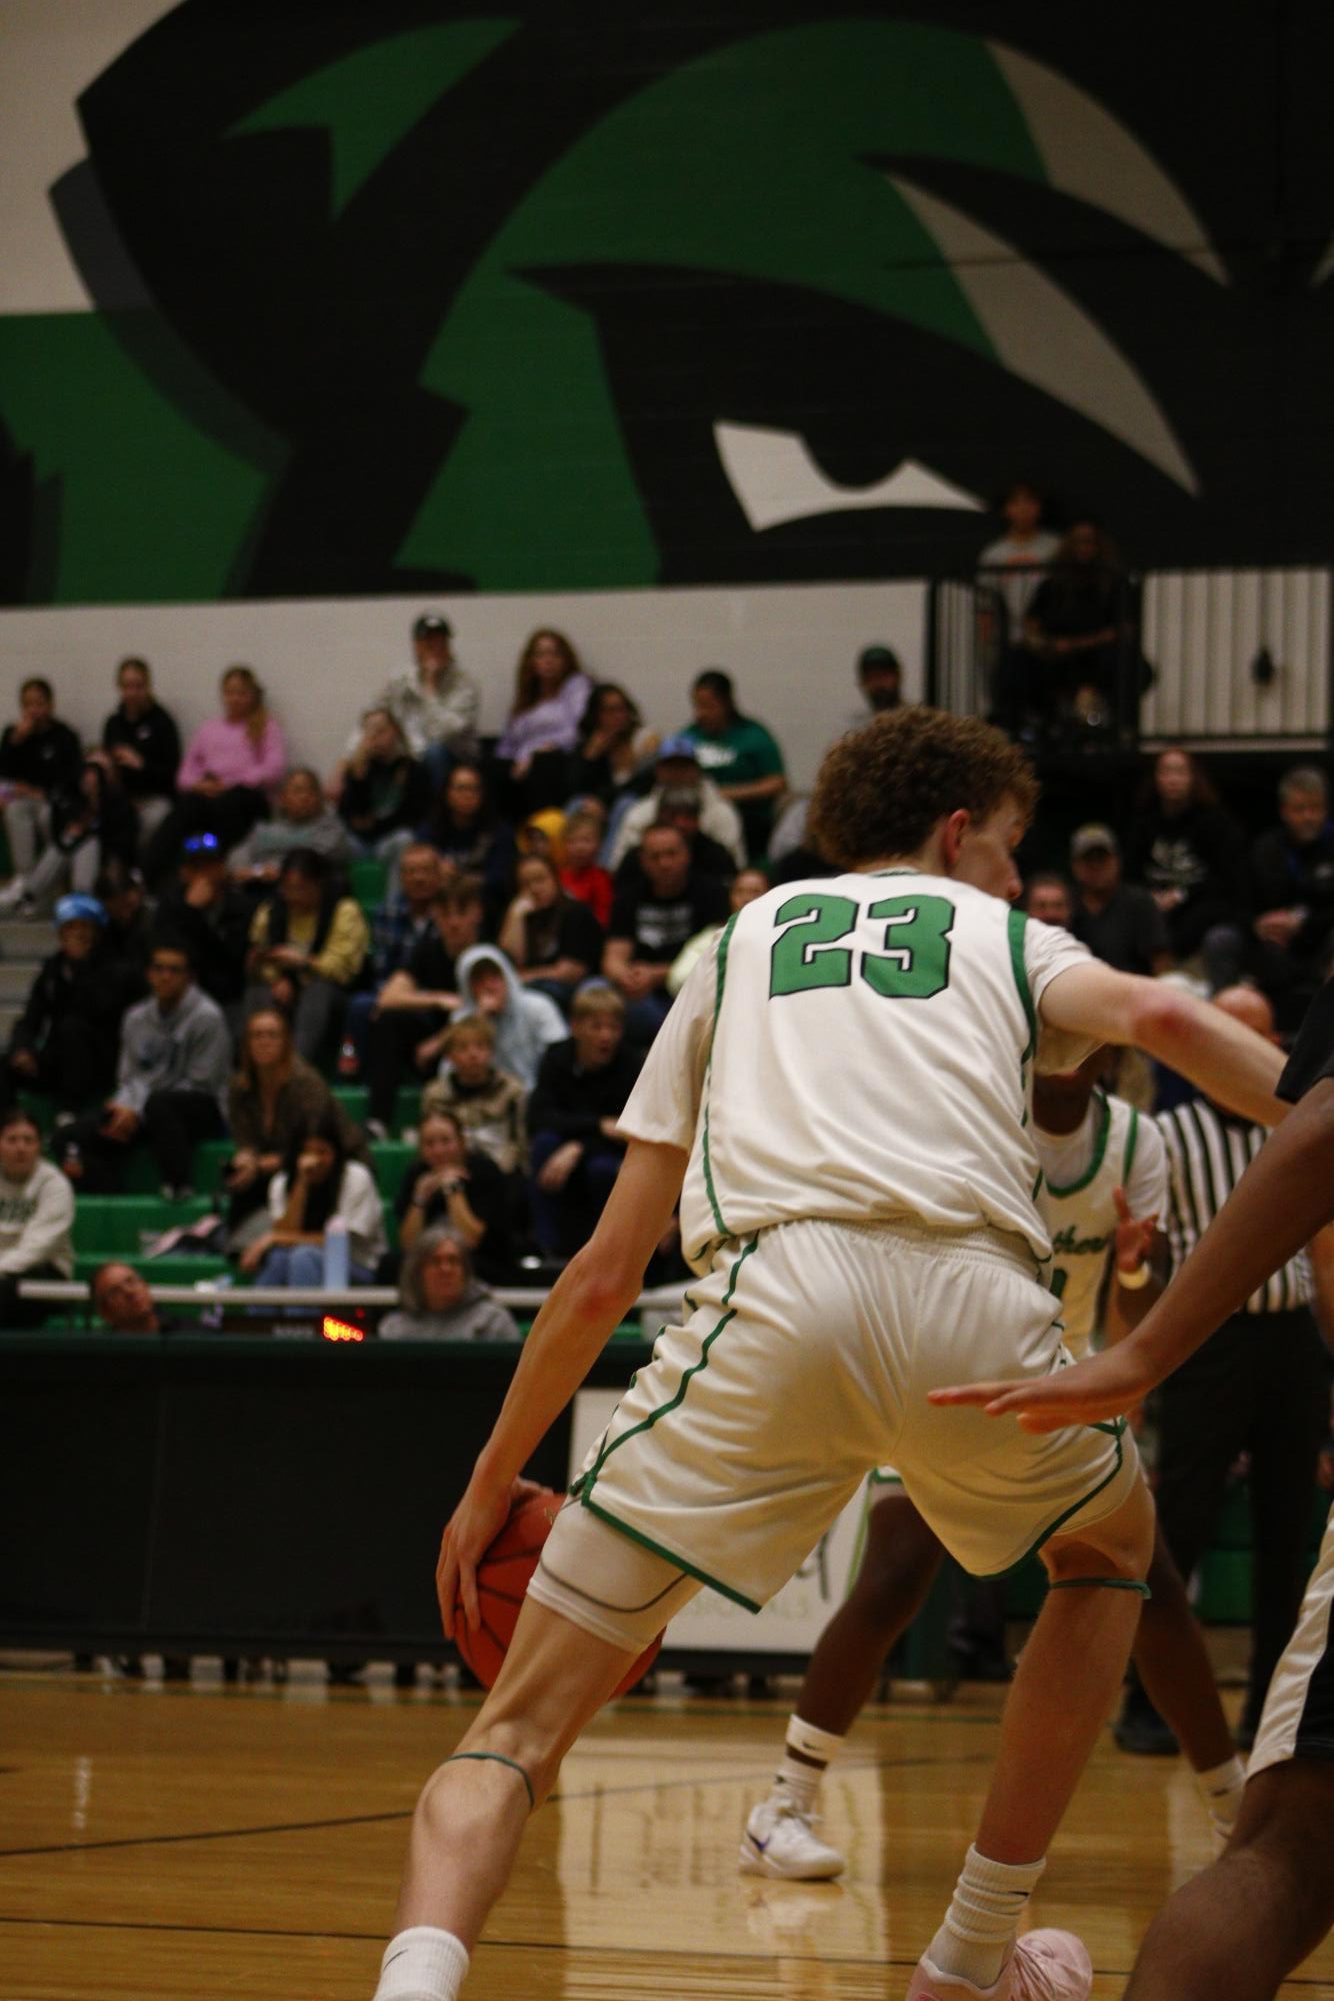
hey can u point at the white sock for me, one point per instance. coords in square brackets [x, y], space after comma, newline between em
[422, 1964]
[797, 1781]
[1221, 1788]
[980, 1925]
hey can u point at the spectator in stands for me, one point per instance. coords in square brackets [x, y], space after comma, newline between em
[739, 754]
[442, 1301]
[465, 829]
[678, 770]
[746, 885]
[274, 1097]
[206, 908]
[1188, 852]
[436, 706]
[1013, 564]
[36, 1218]
[397, 926]
[613, 757]
[122, 1301]
[308, 944]
[1292, 895]
[679, 807]
[649, 926]
[580, 1093]
[413, 1008]
[385, 792]
[230, 767]
[488, 1103]
[525, 1022]
[66, 1039]
[142, 741]
[580, 874]
[1074, 629]
[880, 680]
[553, 941]
[1047, 896]
[120, 891]
[302, 820]
[39, 757]
[90, 824]
[451, 1185]
[1119, 922]
[175, 1058]
[317, 1185]
[537, 743]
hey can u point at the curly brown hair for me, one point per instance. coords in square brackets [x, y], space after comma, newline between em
[882, 789]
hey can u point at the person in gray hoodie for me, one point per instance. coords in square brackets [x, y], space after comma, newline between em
[172, 1075]
[36, 1215]
[303, 820]
[526, 1023]
[442, 1301]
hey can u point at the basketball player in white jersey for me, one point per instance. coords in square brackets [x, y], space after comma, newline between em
[1104, 1186]
[838, 1101]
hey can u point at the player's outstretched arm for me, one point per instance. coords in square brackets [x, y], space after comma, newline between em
[588, 1301]
[1227, 1061]
[1285, 1196]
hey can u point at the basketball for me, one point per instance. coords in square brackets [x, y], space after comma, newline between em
[502, 1579]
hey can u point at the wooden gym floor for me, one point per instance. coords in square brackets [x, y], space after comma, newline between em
[186, 1842]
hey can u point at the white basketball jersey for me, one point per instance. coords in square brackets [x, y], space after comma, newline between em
[1118, 1150]
[856, 1049]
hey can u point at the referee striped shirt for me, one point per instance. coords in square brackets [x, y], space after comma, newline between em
[1207, 1154]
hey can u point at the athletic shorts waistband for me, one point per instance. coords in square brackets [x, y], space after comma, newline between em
[991, 1245]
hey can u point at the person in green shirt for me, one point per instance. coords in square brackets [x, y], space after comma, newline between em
[738, 754]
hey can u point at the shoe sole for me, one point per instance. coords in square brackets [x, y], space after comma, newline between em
[752, 1863]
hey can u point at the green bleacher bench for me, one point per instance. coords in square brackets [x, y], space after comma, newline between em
[367, 879]
[108, 1226]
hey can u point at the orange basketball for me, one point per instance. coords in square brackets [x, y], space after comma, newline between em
[502, 1579]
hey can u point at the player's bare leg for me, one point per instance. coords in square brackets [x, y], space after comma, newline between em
[901, 1558]
[1174, 1665]
[473, 1809]
[1079, 1645]
[1241, 1926]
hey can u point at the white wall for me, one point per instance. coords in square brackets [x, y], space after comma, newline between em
[791, 649]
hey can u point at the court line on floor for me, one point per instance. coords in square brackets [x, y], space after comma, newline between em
[405, 1813]
[541, 1945]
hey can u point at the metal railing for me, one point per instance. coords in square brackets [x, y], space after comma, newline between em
[1219, 658]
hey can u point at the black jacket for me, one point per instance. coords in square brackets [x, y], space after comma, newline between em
[158, 743]
[97, 989]
[219, 938]
[571, 1102]
[50, 759]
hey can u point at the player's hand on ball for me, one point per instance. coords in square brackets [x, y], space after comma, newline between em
[1089, 1392]
[469, 1533]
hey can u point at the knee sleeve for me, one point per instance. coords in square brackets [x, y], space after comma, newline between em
[612, 1587]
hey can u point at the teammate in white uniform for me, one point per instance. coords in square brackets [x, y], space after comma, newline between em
[1240, 1928]
[1104, 1186]
[841, 1089]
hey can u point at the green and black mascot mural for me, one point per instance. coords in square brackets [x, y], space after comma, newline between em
[421, 296]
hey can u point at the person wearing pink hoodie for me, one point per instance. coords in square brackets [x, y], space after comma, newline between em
[230, 767]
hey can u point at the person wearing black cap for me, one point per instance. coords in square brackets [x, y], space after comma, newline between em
[1120, 924]
[436, 707]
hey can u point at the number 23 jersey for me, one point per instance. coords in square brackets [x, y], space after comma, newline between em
[856, 1049]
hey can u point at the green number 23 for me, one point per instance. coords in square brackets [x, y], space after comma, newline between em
[914, 965]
